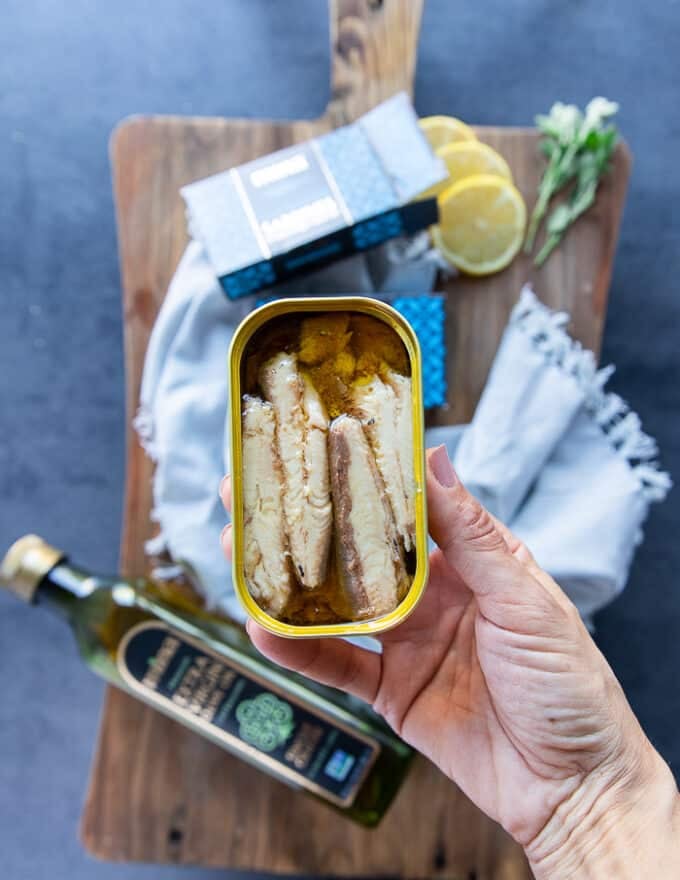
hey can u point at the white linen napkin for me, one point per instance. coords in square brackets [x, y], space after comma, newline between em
[558, 458]
[530, 398]
[562, 461]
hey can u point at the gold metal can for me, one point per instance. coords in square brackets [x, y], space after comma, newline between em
[307, 556]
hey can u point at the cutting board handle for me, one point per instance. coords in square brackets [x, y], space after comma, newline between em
[374, 45]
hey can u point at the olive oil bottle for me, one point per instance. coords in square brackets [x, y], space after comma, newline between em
[201, 670]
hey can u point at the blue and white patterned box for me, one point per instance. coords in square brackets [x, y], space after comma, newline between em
[304, 206]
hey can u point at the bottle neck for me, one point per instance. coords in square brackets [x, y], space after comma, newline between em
[66, 578]
[76, 593]
[65, 585]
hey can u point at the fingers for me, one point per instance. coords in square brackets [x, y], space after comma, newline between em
[332, 662]
[515, 546]
[464, 530]
[226, 539]
[490, 561]
[225, 492]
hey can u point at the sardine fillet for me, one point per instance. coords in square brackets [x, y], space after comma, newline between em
[371, 564]
[401, 385]
[385, 412]
[267, 569]
[302, 432]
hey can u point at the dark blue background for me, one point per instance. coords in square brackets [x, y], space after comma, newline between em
[68, 72]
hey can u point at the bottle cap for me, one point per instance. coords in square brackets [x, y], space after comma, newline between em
[26, 563]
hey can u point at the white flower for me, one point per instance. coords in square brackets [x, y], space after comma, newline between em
[562, 123]
[597, 111]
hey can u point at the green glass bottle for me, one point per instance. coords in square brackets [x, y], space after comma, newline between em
[201, 670]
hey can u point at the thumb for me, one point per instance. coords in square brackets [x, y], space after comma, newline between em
[484, 554]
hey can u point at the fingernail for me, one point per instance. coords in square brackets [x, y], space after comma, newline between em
[224, 532]
[442, 469]
[223, 483]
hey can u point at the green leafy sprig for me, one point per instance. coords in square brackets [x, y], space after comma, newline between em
[579, 147]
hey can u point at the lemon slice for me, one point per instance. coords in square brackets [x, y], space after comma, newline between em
[481, 224]
[464, 159]
[440, 130]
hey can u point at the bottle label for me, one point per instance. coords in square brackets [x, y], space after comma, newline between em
[248, 715]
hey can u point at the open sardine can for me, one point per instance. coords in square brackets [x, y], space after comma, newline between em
[328, 467]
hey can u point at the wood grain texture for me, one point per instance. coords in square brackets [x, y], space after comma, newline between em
[159, 793]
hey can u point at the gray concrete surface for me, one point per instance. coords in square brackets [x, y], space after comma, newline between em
[68, 73]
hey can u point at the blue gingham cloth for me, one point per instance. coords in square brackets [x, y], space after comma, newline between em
[426, 314]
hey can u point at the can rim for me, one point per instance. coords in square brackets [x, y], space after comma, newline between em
[244, 332]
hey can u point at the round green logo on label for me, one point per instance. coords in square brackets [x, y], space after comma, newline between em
[265, 721]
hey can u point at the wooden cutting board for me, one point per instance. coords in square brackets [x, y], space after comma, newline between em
[159, 793]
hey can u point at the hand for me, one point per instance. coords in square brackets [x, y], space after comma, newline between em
[496, 680]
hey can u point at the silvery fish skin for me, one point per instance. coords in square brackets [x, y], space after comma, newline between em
[302, 433]
[371, 563]
[385, 412]
[267, 568]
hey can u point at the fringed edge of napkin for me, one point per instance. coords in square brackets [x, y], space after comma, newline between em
[621, 426]
[144, 427]
[410, 249]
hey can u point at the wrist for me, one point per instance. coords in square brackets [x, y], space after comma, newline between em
[620, 822]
